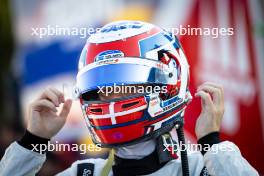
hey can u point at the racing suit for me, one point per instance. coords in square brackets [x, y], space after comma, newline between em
[19, 159]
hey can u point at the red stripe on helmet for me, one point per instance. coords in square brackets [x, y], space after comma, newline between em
[129, 46]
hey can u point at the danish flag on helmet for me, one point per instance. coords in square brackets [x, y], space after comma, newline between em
[132, 53]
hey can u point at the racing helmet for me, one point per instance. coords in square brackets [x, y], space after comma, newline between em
[132, 53]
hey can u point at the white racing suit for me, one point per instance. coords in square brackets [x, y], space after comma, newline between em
[225, 162]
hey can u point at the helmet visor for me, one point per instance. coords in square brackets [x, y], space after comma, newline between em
[124, 73]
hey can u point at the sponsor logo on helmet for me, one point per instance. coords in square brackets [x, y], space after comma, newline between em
[122, 26]
[174, 104]
[109, 54]
[108, 57]
[108, 61]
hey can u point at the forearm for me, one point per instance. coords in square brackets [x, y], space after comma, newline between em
[20, 159]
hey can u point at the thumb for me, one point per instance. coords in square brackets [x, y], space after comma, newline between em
[66, 108]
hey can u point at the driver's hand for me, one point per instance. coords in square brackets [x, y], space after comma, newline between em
[212, 101]
[44, 120]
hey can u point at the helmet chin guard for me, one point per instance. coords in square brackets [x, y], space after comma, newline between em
[140, 118]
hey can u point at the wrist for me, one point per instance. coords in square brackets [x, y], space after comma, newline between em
[33, 142]
[206, 132]
[39, 133]
[208, 141]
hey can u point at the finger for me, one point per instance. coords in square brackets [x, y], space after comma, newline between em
[59, 94]
[43, 104]
[66, 108]
[218, 86]
[215, 92]
[48, 94]
[206, 99]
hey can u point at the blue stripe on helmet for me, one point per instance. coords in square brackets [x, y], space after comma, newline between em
[155, 42]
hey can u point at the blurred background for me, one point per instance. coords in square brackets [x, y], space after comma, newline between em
[29, 63]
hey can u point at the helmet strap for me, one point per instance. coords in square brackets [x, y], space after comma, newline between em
[166, 148]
